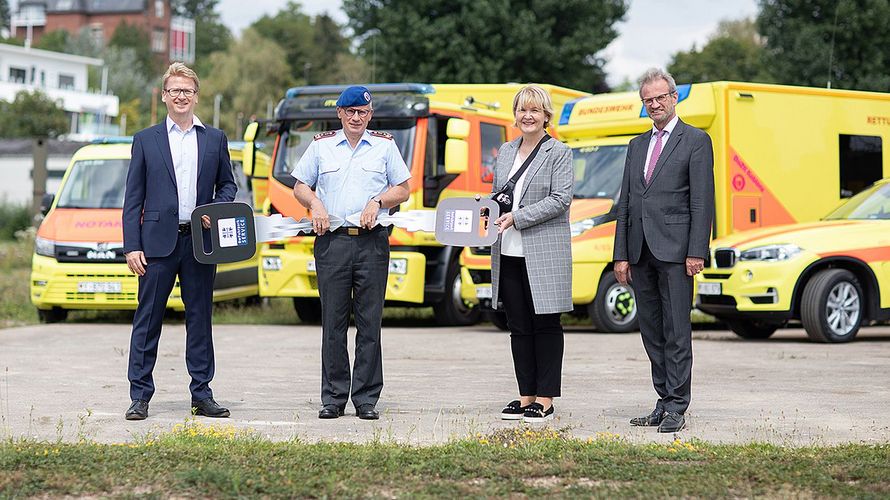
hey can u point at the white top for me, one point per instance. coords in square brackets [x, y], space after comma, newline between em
[511, 239]
[184, 152]
[664, 139]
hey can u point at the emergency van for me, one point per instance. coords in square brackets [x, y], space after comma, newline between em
[782, 154]
[78, 260]
[448, 135]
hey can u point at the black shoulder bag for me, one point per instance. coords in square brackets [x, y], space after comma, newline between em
[504, 197]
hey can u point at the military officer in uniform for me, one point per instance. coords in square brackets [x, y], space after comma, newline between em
[341, 173]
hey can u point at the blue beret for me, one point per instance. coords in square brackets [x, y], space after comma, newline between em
[354, 96]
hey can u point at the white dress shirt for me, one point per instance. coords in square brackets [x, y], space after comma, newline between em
[184, 151]
[511, 240]
[668, 129]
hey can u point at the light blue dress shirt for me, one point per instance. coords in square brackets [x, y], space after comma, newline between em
[344, 178]
[184, 152]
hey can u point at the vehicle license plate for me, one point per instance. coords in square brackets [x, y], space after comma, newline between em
[483, 292]
[99, 286]
[710, 288]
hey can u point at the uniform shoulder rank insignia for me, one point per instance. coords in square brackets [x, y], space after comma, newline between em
[329, 133]
[377, 133]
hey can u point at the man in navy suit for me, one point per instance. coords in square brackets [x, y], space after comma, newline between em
[175, 166]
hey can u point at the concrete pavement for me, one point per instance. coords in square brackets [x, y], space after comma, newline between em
[69, 381]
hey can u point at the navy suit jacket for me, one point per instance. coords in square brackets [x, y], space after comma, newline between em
[151, 202]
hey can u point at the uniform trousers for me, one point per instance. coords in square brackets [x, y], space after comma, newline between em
[196, 287]
[536, 340]
[352, 271]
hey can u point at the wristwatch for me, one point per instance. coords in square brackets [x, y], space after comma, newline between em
[378, 200]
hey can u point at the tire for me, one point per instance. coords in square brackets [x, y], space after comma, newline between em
[498, 319]
[54, 315]
[831, 307]
[752, 330]
[308, 310]
[452, 310]
[614, 308]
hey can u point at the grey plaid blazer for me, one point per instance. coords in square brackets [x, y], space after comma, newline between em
[543, 221]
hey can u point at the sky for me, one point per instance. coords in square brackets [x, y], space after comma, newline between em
[648, 37]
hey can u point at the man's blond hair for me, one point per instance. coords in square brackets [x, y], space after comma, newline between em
[180, 69]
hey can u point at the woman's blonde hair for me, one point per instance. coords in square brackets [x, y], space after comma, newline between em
[180, 69]
[533, 96]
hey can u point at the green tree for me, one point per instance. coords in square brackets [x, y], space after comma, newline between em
[4, 14]
[129, 36]
[554, 41]
[734, 52]
[56, 40]
[812, 42]
[249, 76]
[32, 114]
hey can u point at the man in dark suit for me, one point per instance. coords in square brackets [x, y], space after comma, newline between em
[175, 166]
[661, 241]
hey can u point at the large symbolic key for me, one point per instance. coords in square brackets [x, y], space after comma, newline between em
[234, 230]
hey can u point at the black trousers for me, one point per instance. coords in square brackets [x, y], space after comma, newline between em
[196, 287]
[352, 273]
[664, 300]
[536, 340]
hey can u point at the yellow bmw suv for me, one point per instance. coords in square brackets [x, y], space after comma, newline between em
[833, 275]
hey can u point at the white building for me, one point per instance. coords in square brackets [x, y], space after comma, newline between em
[63, 77]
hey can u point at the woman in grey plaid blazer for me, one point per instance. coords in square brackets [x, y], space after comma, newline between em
[531, 262]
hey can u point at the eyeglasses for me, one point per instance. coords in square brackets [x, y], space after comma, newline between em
[188, 93]
[661, 99]
[362, 113]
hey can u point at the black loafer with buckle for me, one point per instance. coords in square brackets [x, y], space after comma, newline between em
[513, 411]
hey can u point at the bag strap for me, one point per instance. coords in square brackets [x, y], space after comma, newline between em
[528, 161]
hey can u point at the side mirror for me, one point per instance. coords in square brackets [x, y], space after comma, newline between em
[248, 155]
[46, 202]
[457, 149]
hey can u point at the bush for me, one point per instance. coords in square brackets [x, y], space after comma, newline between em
[13, 218]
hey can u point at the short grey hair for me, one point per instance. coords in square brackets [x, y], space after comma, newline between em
[653, 74]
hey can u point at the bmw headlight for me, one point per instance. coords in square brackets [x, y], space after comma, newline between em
[43, 246]
[398, 266]
[770, 253]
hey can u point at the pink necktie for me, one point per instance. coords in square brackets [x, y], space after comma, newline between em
[656, 152]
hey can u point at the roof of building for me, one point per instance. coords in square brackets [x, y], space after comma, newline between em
[94, 6]
[48, 54]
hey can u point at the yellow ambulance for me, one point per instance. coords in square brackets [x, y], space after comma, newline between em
[782, 154]
[833, 275]
[78, 261]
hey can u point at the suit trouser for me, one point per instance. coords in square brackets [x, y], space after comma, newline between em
[352, 273]
[664, 300]
[536, 340]
[196, 287]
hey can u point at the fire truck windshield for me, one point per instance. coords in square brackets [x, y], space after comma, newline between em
[297, 136]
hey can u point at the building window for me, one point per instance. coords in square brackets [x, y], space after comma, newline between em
[17, 75]
[66, 82]
[159, 8]
[158, 41]
[860, 161]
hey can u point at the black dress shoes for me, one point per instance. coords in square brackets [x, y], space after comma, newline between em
[672, 422]
[649, 420]
[330, 411]
[367, 412]
[209, 408]
[138, 410]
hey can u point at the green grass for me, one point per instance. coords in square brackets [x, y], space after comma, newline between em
[13, 218]
[195, 460]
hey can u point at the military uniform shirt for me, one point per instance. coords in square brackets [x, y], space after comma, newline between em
[344, 178]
